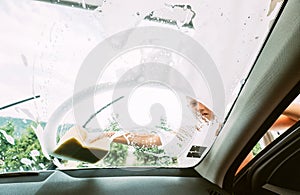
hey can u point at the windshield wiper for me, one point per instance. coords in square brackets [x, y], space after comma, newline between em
[19, 102]
[93, 115]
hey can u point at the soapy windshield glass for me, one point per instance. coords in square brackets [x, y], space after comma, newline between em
[121, 83]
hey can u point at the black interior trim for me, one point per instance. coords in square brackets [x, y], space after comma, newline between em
[275, 166]
[288, 169]
[21, 177]
[135, 171]
[274, 158]
[278, 190]
[25, 177]
[230, 174]
[265, 151]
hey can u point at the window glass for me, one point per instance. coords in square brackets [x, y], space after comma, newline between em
[124, 83]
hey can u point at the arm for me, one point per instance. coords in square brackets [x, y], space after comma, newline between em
[148, 140]
[293, 111]
[248, 158]
[288, 118]
[283, 122]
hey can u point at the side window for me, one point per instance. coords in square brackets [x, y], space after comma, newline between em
[286, 120]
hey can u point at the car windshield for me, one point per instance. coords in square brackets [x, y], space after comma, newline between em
[104, 83]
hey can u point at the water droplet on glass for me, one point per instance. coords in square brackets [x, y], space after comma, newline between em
[26, 161]
[242, 81]
[24, 60]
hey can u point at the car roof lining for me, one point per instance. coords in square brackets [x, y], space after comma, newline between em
[269, 82]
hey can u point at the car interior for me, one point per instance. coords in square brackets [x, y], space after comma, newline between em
[271, 86]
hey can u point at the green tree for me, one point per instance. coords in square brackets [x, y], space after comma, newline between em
[5, 144]
[256, 149]
[154, 156]
[25, 154]
[117, 155]
[118, 152]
